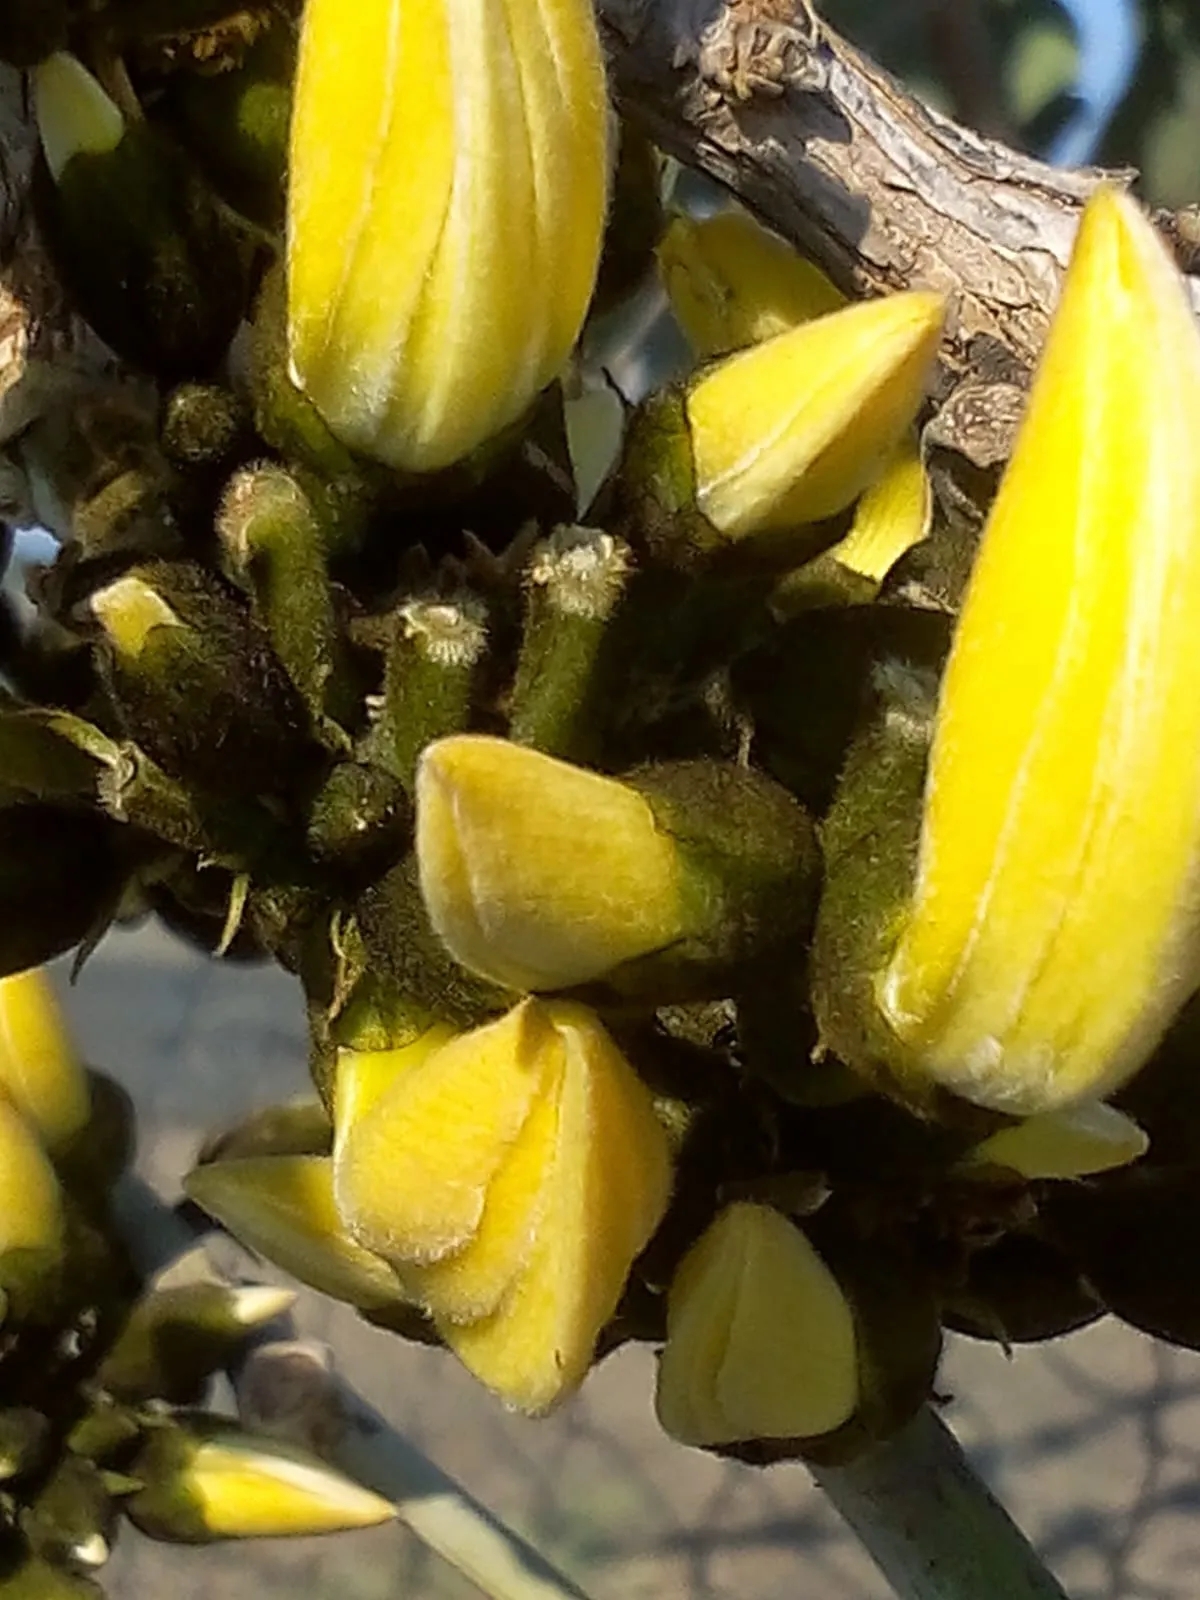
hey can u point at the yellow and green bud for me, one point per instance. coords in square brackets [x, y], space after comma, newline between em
[1068, 1143]
[438, 271]
[32, 1221]
[794, 429]
[893, 515]
[1052, 928]
[39, 1068]
[511, 1177]
[283, 1207]
[206, 1480]
[732, 283]
[761, 1340]
[542, 875]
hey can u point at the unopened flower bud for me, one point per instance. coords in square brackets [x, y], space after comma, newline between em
[178, 1335]
[206, 1480]
[283, 1207]
[1052, 928]
[732, 283]
[794, 429]
[511, 1177]
[39, 1069]
[72, 1520]
[542, 875]
[1069, 1143]
[197, 680]
[761, 1341]
[439, 272]
[154, 264]
[892, 516]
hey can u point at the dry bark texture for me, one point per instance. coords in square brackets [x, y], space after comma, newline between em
[880, 191]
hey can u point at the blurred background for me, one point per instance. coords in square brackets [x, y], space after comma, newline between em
[1093, 1441]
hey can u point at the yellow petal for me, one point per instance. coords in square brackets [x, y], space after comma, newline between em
[538, 874]
[39, 1068]
[1053, 929]
[447, 199]
[283, 1206]
[74, 114]
[892, 516]
[1070, 1143]
[610, 1183]
[471, 1283]
[760, 1338]
[733, 283]
[412, 1176]
[364, 1076]
[794, 429]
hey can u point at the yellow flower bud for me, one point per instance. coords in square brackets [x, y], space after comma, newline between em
[511, 1178]
[1053, 926]
[1068, 1143]
[794, 429]
[74, 114]
[39, 1069]
[446, 208]
[283, 1206]
[760, 1338]
[733, 283]
[206, 1480]
[31, 1210]
[538, 874]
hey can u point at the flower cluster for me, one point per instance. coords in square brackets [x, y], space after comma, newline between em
[705, 939]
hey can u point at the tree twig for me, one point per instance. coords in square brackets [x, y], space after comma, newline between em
[930, 1525]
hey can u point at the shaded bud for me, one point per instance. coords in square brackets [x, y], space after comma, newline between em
[1070, 1143]
[1052, 927]
[512, 1176]
[732, 283]
[178, 1335]
[541, 875]
[206, 1480]
[489, 251]
[791, 431]
[197, 681]
[760, 1337]
[152, 262]
[39, 1069]
[72, 1520]
[24, 1441]
[434, 654]
[574, 583]
[273, 544]
[283, 1207]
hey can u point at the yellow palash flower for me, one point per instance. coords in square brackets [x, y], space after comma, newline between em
[1054, 925]
[760, 1338]
[794, 429]
[511, 1178]
[448, 185]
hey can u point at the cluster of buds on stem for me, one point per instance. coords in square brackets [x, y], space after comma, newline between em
[703, 941]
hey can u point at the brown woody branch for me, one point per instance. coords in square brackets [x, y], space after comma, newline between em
[880, 191]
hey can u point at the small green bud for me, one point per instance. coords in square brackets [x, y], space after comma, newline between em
[204, 427]
[24, 1439]
[177, 1336]
[72, 1520]
[574, 582]
[273, 545]
[433, 660]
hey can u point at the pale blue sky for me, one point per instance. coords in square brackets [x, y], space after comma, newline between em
[1107, 46]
